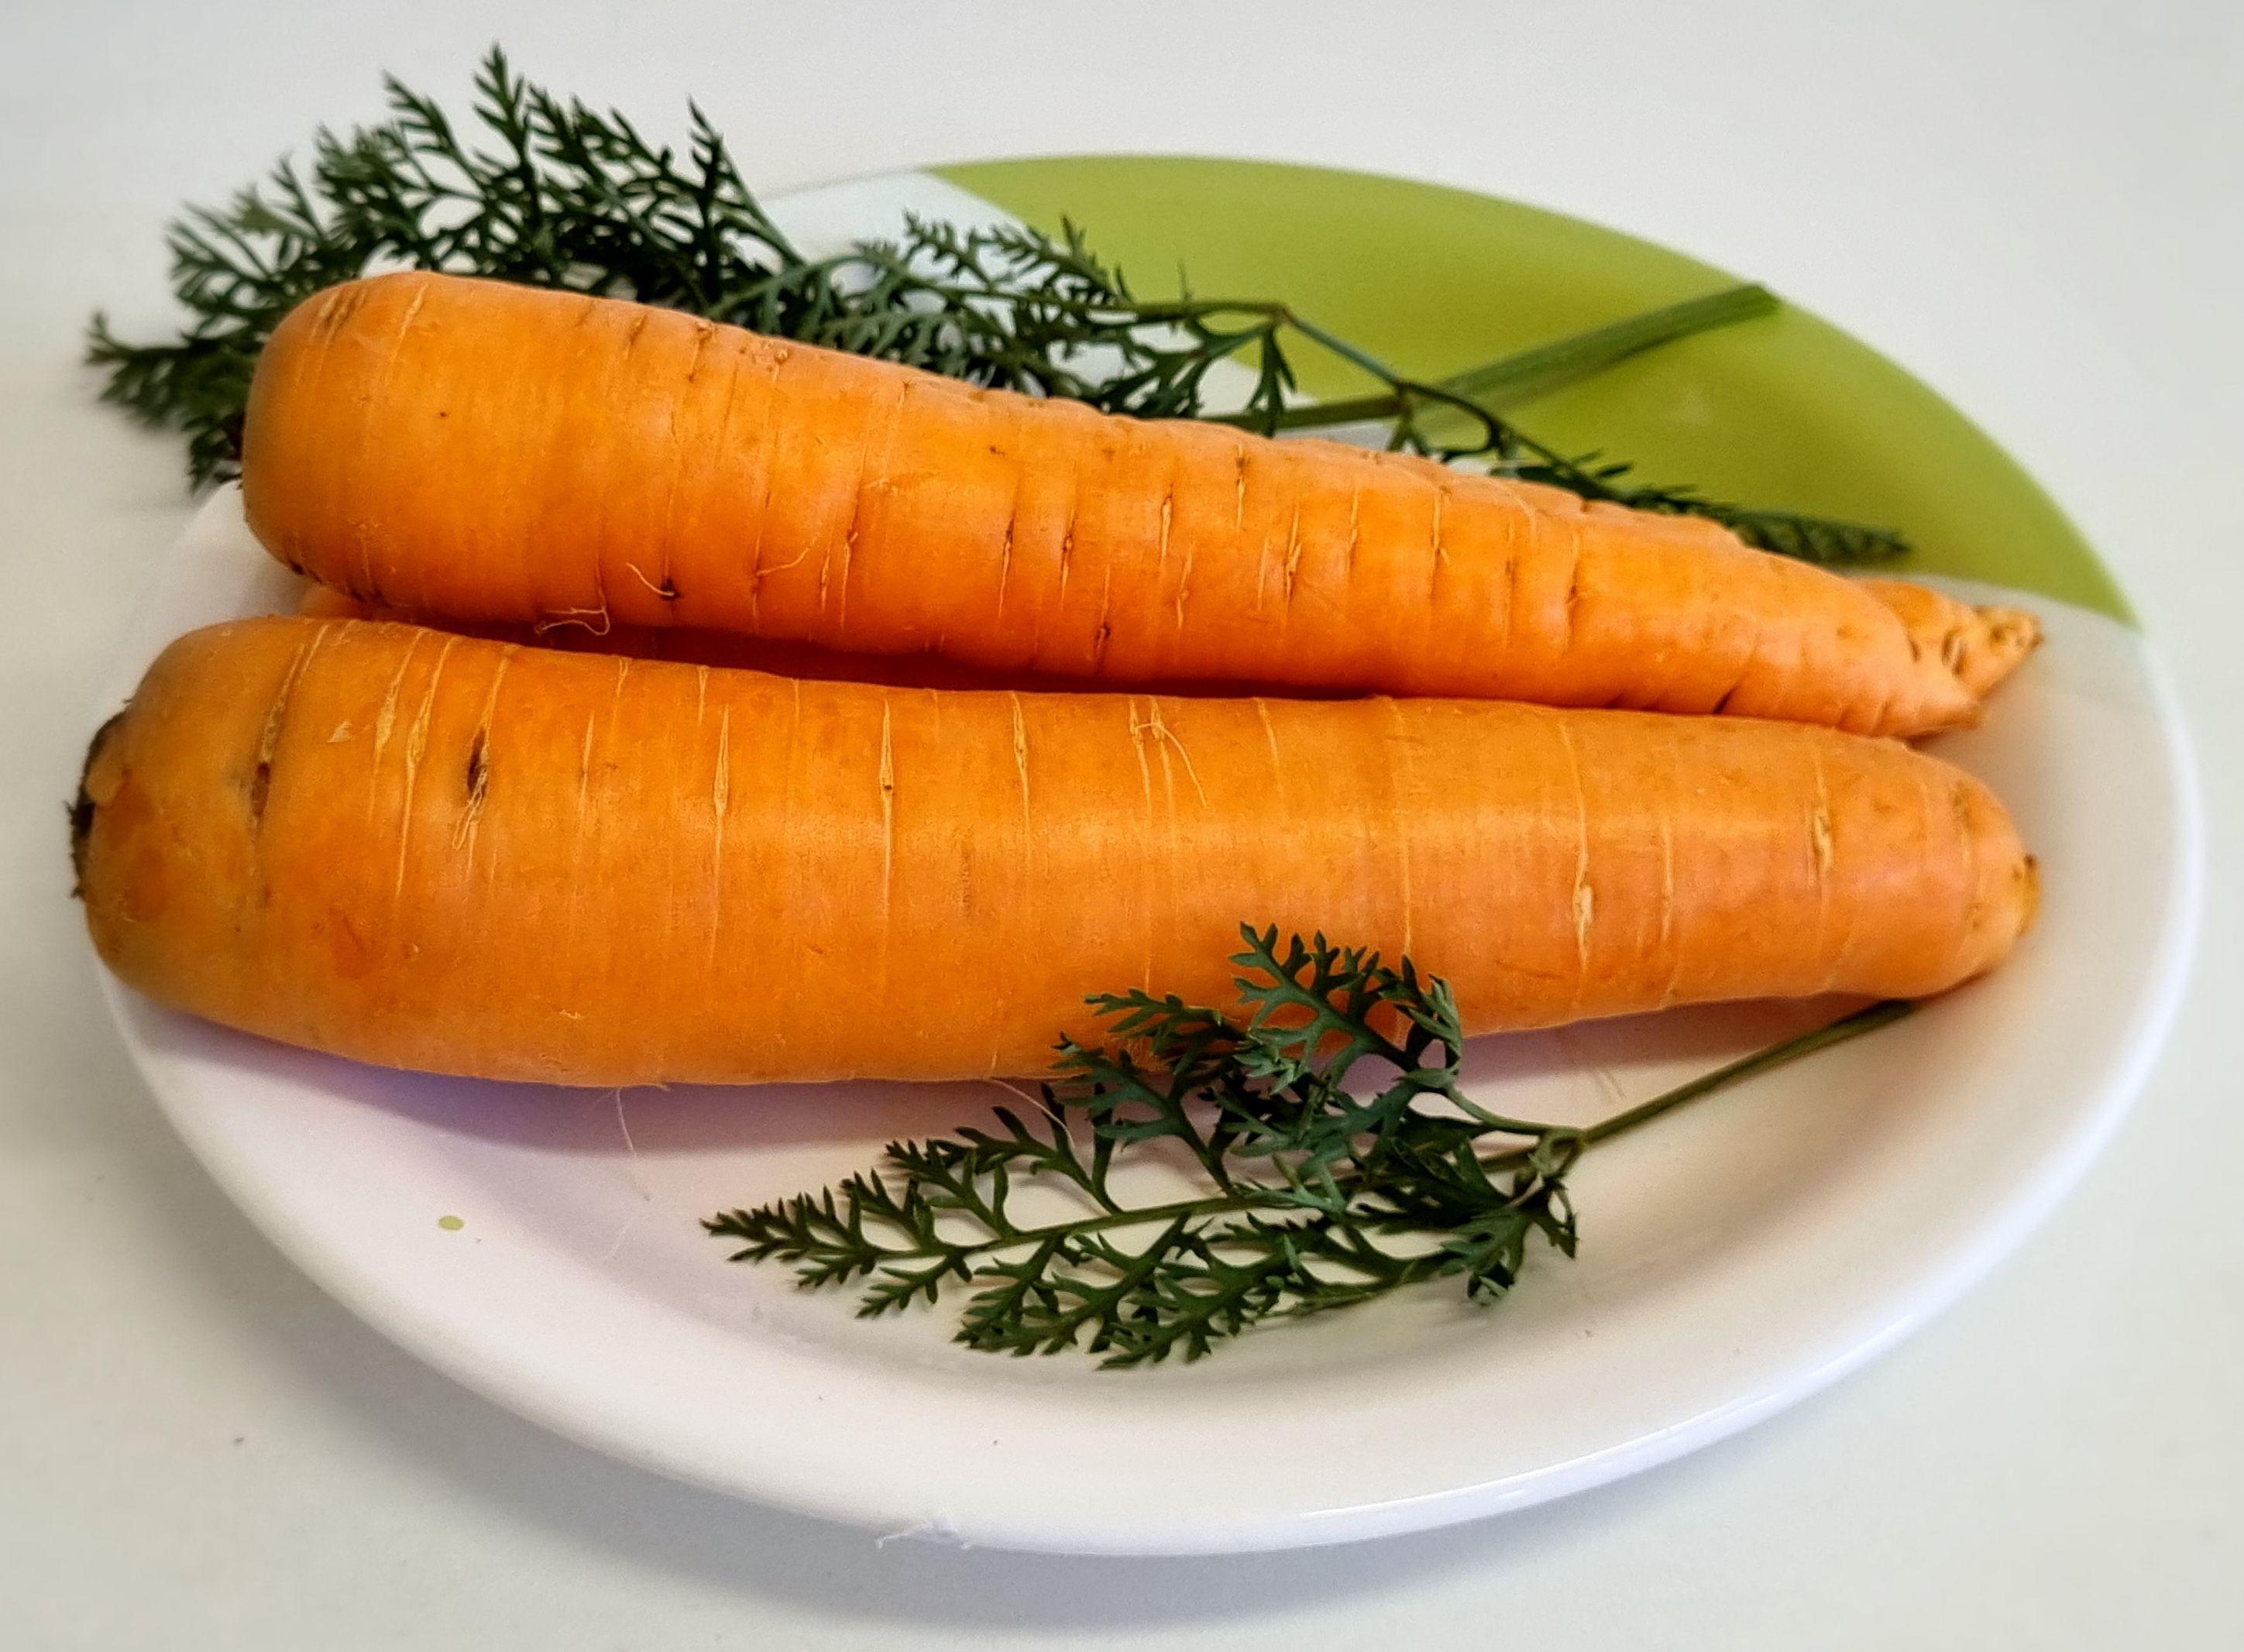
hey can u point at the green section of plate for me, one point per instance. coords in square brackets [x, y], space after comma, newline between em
[1785, 412]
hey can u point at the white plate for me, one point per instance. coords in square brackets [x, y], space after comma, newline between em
[1734, 1260]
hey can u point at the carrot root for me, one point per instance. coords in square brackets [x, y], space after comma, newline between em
[498, 454]
[444, 853]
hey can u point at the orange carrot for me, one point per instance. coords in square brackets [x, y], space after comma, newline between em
[439, 852]
[492, 452]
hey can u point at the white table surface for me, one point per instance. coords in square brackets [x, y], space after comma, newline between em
[2034, 205]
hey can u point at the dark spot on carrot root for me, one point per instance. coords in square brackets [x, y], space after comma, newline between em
[260, 787]
[478, 770]
[82, 807]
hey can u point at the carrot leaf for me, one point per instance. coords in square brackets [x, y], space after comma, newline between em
[1329, 1153]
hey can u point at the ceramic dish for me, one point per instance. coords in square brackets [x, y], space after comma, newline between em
[542, 1246]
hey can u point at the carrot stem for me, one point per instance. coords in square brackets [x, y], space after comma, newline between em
[1791, 1049]
[1869, 1019]
[1524, 374]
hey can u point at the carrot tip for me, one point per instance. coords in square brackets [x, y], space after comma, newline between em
[2006, 637]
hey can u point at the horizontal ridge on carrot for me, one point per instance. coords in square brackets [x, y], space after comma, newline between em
[444, 853]
[494, 453]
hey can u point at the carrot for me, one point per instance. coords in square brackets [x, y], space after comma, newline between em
[492, 452]
[442, 852]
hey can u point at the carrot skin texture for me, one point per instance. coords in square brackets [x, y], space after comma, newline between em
[500, 455]
[448, 853]
[735, 651]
